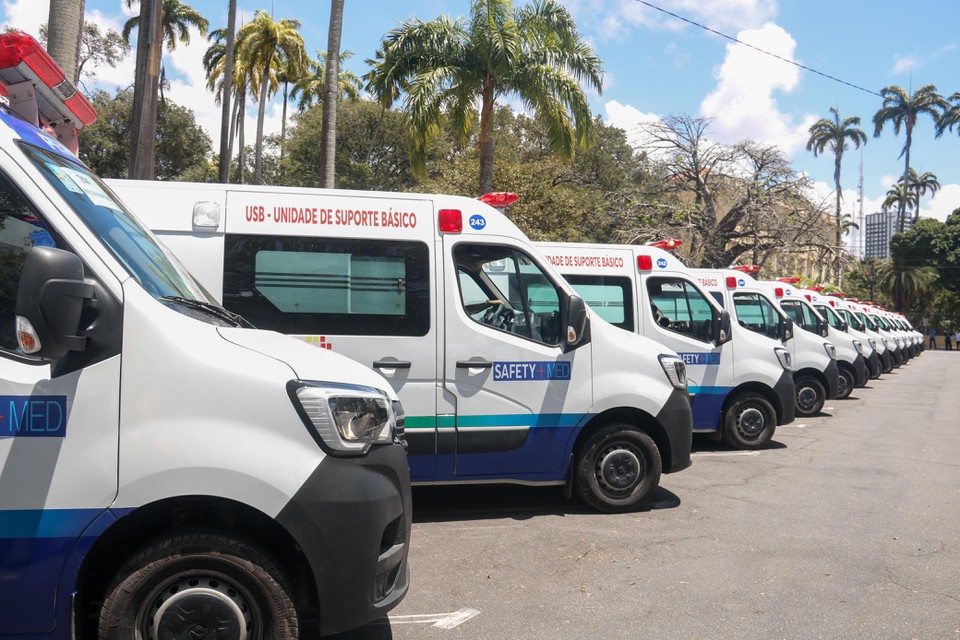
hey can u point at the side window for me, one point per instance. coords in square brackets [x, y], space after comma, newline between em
[505, 289]
[831, 317]
[801, 315]
[20, 230]
[756, 313]
[301, 285]
[610, 297]
[678, 306]
[716, 295]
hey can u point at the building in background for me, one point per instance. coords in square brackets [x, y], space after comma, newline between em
[878, 229]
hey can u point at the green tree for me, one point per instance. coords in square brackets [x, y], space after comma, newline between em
[331, 96]
[950, 117]
[216, 65]
[445, 67]
[177, 20]
[182, 145]
[920, 185]
[266, 46]
[97, 49]
[902, 109]
[834, 134]
[904, 282]
[899, 197]
[65, 33]
[308, 87]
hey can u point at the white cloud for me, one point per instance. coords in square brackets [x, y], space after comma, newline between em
[904, 64]
[942, 204]
[630, 119]
[26, 15]
[743, 104]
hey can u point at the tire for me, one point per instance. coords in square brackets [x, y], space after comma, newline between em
[749, 422]
[847, 382]
[617, 469]
[199, 585]
[810, 396]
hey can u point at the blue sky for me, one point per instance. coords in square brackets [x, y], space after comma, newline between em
[655, 65]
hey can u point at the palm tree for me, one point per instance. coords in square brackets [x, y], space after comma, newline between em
[904, 199]
[919, 186]
[264, 46]
[215, 66]
[904, 283]
[331, 96]
[446, 67]
[64, 32]
[834, 134]
[223, 170]
[308, 88]
[902, 109]
[951, 116]
[177, 20]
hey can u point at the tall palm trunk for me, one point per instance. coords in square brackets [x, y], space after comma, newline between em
[242, 151]
[838, 219]
[226, 135]
[64, 31]
[906, 176]
[283, 123]
[331, 93]
[261, 113]
[145, 90]
[486, 140]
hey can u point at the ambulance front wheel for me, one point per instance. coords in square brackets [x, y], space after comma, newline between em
[811, 396]
[847, 382]
[617, 469]
[199, 585]
[749, 422]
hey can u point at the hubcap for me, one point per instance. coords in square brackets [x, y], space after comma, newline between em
[618, 469]
[198, 608]
[806, 397]
[842, 387]
[752, 422]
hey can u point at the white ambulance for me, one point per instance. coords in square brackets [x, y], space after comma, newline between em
[841, 325]
[860, 322]
[874, 323]
[740, 383]
[851, 362]
[165, 470]
[504, 374]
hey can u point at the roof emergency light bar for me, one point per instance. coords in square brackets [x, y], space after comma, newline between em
[669, 244]
[789, 280]
[499, 199]
[746, 268]
[818, 289]
[38, 92]
[837, 294]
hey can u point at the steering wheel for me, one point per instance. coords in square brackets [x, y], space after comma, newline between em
[491, 315]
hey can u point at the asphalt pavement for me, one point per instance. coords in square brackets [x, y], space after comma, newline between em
[845, 527]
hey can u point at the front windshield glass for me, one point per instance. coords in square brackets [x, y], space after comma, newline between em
[757, 314]
[882, 322]
[831, 316]
[128, 241]
[853, 320]
[868, 321]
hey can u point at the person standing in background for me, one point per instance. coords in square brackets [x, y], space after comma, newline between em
[933, 338]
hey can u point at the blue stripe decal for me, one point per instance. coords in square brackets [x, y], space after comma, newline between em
[45, 523]
[33, 416]
[706, 404]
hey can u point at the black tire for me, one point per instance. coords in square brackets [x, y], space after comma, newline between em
[617, 469]
[810, 396]
[847, 382]
[749, 422]
[189, 584]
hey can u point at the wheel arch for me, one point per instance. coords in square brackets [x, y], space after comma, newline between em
[753, 387]
[628, 415]
[127, 534]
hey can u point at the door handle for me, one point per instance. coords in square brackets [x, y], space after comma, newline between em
[474, 364]
[391, 364]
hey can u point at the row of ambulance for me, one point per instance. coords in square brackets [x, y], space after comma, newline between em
[169, 470]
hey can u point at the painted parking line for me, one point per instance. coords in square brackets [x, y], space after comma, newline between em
[792, 426]
[439, 620]
[723, 454]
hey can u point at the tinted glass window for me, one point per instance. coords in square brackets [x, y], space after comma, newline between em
[303, 285]
[716, 295]
[678, 306]
[505, 289]
[757, 314]
[609, 297]
[867, 320]
[801, 314]
[831, 317]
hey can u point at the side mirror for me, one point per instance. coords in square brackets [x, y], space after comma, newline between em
[50, 300]
[824, 327]
[575, 322]
[786, 329]
[721, 328]
[843, 325]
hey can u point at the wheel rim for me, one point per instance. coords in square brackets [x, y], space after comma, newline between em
[843, 384]
[619, 469]
[806, 398]
[751, 422]
[198, 607]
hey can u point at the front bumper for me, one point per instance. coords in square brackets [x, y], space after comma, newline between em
[860, 372]
[676, 417]
[787, 395]
[352, 520]
[832, 374]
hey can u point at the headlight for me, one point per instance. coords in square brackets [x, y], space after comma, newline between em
[675, 369]
[873, 343]
[831, 350]
[886, 344]
[344, 419]
[858, 346]
[784, 357]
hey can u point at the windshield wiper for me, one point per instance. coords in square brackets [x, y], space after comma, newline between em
[211, 309]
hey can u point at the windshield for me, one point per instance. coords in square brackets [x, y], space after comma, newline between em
[757, 314]
[831, 316]
[867, 320]
[853, 320]
[127, 240]
[882, 322]
[801, 314]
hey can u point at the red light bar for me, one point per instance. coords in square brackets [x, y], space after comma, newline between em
[669, 244]
[731, 282]
[746, 268]
[644, 263]
[853, 299]
[817, 289]
[789, 280]
[868, 302]
[450, 220]
[837, 294]
[499, 199]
